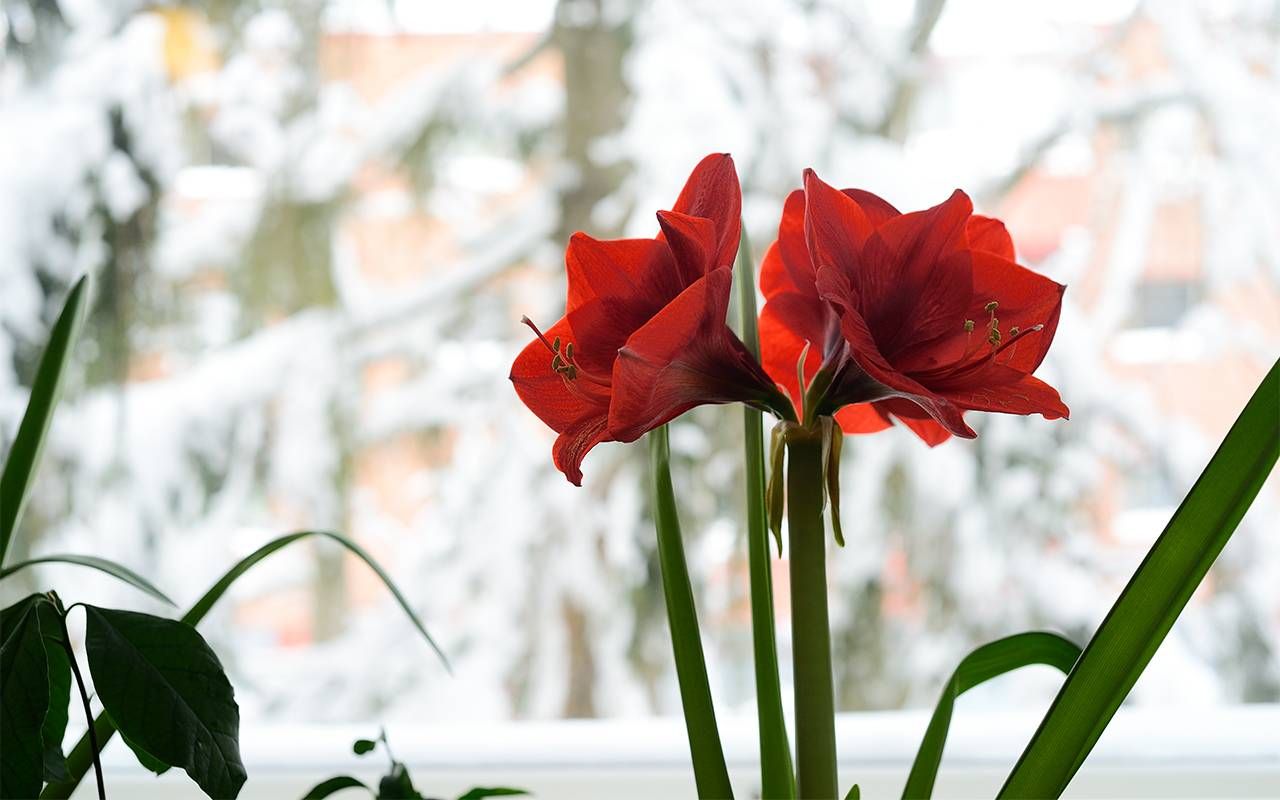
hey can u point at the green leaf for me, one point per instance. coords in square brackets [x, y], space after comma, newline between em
[397, 785]
[24, 697]
[111, 568]
[54, 728]
[24, 456]
[988, 661]
[333, 786]
[777, 778]
[362, 746]
[164, 686]
[709, 770]
[481, 792]
[148, 761]
[855, 793]
[220, 588]
[81, 757]
[1153, 599]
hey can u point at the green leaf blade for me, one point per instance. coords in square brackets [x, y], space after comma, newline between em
[24, 698]
[24, 455]
[104, 565]
[334, 785]
[983, 664]
[481, 792]
[165, 688]
[54, 728]
[1154, 597]
[709, 770]
[215, 592]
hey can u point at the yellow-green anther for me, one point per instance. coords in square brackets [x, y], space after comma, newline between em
[557, 363]
[555, 344]
[1014, 330]
[968, 326]
[568, 351]
[991, 307]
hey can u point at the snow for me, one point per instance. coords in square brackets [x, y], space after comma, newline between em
[386, 412]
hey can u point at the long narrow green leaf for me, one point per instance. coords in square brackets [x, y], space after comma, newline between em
[777, 777]
[1155, 596]
[709, 769]
[20, 465]
[220, 588]
[986, 662]
[111, 568]
[81, 757]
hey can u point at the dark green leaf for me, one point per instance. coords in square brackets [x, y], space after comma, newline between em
[777, 778]
[1155, 596]
[480, 792]
[333, 786]
[855, 793]
[988, 661]
[24, 456]
[396, 785]
[148, 761]
[165, 688]
[93, 562]
[80, 758]
[362, 746]
[55, 719]
[709, 770]
[24, 698]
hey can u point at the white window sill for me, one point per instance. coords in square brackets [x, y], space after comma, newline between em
[1145, 753]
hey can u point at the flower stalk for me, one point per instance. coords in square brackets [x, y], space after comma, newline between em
[810, 627]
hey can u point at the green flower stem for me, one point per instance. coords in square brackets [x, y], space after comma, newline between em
[810, 629]
[777, 778]
[709, 770]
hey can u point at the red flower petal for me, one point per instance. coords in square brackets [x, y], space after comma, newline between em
[1025, 299]
[684, 357]
[835, 226]
[693, 243]
[834, 286]
[862, 418]
[575, 442]
[544, 391]
[638, 272]
[990, 236]
[1008, 391]
[914, 280]
[787, 321]
[712, 191]
[916, 419]
[877, 209]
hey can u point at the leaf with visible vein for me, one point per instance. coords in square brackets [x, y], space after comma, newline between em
[165, 688]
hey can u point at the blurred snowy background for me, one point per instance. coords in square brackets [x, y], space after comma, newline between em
[314, 227]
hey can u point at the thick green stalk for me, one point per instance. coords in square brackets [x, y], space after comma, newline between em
[810, 628]
[777, 780]
[709, 770]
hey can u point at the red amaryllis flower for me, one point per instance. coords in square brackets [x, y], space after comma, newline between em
[644, 337]
[916, 317]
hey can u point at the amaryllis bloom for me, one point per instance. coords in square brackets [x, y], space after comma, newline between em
[913, 317]
[644, 337]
